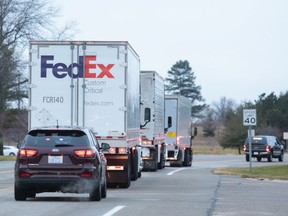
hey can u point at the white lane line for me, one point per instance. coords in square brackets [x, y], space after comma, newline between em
[7, 171]
[171, 173]
[4, 189]
[113, 211]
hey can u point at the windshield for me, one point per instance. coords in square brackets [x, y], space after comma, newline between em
[257, 140]
[56, 138]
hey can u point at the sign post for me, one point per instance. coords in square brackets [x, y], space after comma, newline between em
[249, 119]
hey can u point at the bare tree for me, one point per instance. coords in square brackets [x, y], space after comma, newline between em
[20, 22]
[223, 108]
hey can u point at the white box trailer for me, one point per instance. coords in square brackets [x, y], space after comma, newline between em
[152, 120]
[178, 124]
[93, 84]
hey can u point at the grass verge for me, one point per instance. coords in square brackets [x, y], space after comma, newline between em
[214, 150]
[7, 158]
[267, 172]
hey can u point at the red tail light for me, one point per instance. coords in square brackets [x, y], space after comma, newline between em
[27, 152]
[86, 175]
[84, 153]
[268, 148]
[244, 148]
[25, 174]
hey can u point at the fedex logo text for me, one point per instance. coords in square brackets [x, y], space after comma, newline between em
[61, 70]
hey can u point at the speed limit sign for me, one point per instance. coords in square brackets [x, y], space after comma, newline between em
[249, 117]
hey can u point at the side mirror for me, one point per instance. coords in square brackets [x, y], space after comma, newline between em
[19, 145]
[147, 117]
[147, 114]
[195, 131]
[169, 121]
[105, 146]
[169, 124]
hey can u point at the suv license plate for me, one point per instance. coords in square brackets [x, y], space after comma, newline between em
[55, 159]
[255, 153]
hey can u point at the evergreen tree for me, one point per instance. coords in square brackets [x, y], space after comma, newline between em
[181, 80]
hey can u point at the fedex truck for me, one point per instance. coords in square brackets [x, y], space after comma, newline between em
[178, 124]
[152, 120]
[92, 84]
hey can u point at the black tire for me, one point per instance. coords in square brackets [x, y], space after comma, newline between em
[134, 162]
[95, 195]
[155, 162]
[179, 159]
[269, 157]
[11, 154]
[19, 194]
[161, 164]
[112, 185]
[259, 159]
[30, 194]
[187, 158]
[247, 157]
[281, 157]
[125, 184]
[128, 179]
[104, 189]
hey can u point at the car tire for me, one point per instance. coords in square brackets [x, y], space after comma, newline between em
[95, 195]
[259, 159]
[269, 157]
[247, 157]
[19, 194]
[281, 157]
[11, 154]
[31, 194]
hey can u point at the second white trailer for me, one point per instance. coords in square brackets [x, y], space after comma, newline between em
[152, 120]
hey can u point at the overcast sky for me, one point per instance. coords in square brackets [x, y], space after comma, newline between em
[236, 48]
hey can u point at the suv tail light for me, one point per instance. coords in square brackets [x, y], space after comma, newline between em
[244, 147]
[84, 153]
[268, 148]
[27, 152]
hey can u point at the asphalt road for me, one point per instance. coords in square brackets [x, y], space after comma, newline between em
[172, 191]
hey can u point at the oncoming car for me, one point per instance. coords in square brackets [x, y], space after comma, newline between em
[67, 159]
[264, 147]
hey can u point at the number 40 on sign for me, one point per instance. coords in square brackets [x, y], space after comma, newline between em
[249, 117]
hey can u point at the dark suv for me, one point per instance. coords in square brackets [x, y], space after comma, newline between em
[67, 159]
[264, 147]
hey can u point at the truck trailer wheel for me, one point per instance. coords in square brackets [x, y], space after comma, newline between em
[134, 162]
[187, 158]
[179, 162]
[161, 164]
[126, 184]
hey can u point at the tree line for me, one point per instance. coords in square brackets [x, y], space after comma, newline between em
[272, 116]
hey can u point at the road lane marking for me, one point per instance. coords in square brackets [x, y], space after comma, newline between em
[114, 210]
[4, 189]
[7, 171]
[171, 173]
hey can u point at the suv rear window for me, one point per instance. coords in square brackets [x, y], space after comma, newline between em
[258, 140]
[54, 138]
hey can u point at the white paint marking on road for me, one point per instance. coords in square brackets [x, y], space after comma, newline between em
[4, 189]
[171, 173]
[114, 210]
[7, 171]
